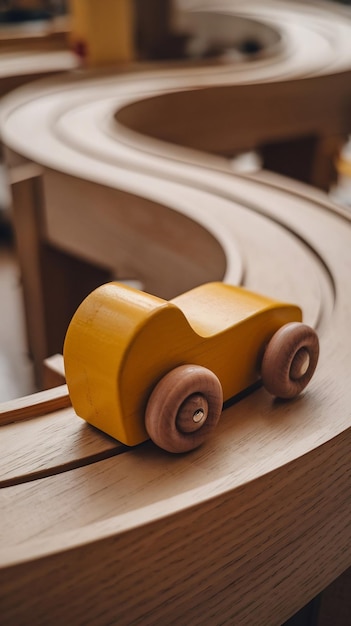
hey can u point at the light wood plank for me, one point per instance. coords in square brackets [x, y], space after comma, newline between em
[40, 403]
[244, 532]
[49, 444]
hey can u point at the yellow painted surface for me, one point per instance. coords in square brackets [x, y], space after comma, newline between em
[121, 342]
[104, 28]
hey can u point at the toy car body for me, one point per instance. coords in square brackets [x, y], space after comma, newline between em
[123, 344]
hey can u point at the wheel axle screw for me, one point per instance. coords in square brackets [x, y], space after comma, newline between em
[198, 415]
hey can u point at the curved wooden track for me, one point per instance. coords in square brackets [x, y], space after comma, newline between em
[250, 527]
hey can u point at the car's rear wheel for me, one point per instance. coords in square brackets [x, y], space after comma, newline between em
[184, 408]
[290, 360]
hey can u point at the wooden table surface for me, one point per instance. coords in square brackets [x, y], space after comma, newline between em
[254, 524]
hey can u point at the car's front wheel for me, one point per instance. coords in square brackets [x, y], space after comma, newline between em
[290, 360]
[184, 408]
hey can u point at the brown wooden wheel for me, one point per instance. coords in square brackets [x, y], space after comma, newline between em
[184, 408]
[290, 360]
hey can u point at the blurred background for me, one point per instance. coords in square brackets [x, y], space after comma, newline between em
[41, 38]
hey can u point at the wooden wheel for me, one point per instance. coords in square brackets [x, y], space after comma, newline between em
[290, 360]
[184, 408]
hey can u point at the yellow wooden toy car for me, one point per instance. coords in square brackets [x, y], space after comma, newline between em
[140, 367]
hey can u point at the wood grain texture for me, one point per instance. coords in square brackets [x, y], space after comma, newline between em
[36, 404]
[251, 526]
